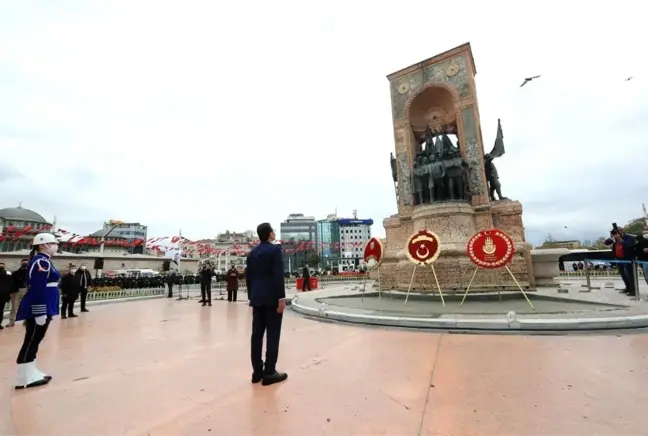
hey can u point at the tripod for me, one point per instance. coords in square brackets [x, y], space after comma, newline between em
[180, 297]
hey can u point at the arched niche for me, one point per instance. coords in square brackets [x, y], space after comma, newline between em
[434, 107]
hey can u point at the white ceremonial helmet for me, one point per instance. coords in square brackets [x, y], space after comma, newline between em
[45, 238]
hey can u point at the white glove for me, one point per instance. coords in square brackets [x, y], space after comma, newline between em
[40, 320]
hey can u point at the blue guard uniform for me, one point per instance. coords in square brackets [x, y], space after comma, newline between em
[42, 297]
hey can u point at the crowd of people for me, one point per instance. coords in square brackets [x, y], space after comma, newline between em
[37, 298]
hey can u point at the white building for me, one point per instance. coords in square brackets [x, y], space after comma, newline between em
[354, 235]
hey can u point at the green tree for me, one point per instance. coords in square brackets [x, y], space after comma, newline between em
[313, 258]
[635, 226]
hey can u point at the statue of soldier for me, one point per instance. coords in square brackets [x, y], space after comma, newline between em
[392, 161]
[492, 177]
[436, 178]
[419, 179]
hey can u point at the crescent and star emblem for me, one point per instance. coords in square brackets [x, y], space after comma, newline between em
[423, 247]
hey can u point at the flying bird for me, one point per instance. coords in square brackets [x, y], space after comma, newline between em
[528, 79]
[628, 79]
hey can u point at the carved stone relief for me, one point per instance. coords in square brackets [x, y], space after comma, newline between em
[451, 71]
[404, 179]
[473, 154]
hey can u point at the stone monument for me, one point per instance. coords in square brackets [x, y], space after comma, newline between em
[447, 188]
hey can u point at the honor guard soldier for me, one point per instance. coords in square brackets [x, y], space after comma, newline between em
[38, 306]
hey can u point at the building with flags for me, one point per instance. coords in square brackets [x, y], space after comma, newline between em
[113, 244]
[18, 226]
[130, 232]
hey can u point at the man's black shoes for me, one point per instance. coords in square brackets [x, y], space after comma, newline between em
[256, 378]
[271, 379]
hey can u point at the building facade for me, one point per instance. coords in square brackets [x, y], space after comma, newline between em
[128, 231]
[298, 234]
[354, 235]
[328, 241]
[234, 237]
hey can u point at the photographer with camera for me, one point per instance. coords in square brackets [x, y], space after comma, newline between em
[623, 250]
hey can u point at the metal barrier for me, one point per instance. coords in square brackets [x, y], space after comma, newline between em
[193, 290]
[636, 272]
[594, 273]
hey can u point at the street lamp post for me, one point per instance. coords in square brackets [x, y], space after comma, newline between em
[114, 224]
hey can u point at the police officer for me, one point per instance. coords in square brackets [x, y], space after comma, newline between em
[37, 308]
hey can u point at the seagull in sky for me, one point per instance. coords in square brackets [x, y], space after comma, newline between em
[528, 79]
[628, 79]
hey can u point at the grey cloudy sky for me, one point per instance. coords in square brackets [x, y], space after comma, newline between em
[214, 115]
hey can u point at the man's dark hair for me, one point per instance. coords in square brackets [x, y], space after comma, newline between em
[263, 231]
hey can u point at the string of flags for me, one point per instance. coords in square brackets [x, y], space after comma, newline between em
[167, 243]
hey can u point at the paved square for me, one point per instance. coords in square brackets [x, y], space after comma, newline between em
[163, 367]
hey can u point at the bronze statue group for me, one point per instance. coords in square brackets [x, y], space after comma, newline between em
[441, 173]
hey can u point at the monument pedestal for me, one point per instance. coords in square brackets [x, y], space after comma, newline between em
[455, 223]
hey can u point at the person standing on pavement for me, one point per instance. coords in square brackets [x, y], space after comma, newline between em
[170, 279]
[267, 290]
[69, 293]
[18, 290]
[623, 250]
[6, 286]
[85, 280]
[206, 275]
[306, 277]
[232, 284]
[39, 305]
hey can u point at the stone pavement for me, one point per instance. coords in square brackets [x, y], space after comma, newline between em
[163, 367]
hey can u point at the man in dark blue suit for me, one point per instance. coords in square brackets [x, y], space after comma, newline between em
[264, 277]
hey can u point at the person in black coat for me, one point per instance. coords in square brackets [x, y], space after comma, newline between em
[6, 286]
[170, 279]
[69, 293]
[85, 280]
[18, 290]
[206, 275]
[266, 285]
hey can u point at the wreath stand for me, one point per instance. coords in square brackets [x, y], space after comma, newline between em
[484, 245]
[423, 239]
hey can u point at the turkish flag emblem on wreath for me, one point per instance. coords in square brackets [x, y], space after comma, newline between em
[423, 247]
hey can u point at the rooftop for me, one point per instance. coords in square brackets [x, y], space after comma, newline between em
[21, 214]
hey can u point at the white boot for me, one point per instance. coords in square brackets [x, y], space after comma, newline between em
[40, 373]
[28, 377]
[22, 376]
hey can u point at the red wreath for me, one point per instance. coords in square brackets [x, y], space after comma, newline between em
[423, 247]
[490, 249]
[373, 250]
